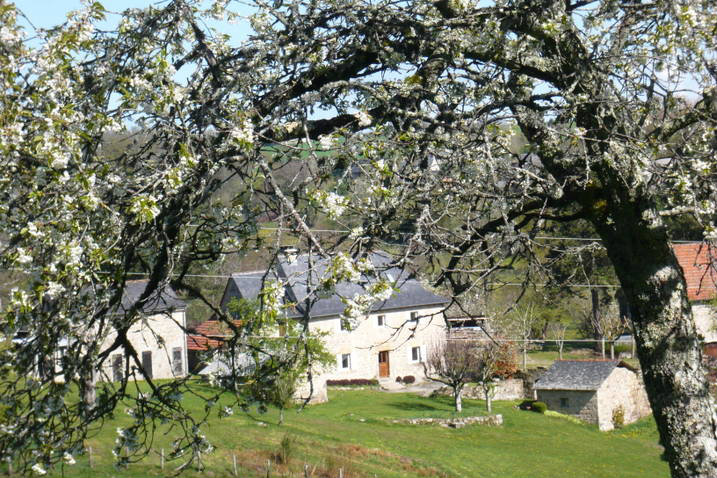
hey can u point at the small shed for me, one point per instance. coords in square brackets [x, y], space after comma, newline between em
[605, 392]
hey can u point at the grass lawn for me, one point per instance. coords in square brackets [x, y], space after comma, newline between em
[546, 357]
[354, 432]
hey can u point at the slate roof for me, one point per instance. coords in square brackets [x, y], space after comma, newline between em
[576, 374]
[301, 278]
[701, 277]
[162, 300]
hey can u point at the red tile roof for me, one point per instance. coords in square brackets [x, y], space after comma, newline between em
[197, 342]
[701, 277]
[207, 334]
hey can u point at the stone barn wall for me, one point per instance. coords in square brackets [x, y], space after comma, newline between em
[624, 389]
[578, 403]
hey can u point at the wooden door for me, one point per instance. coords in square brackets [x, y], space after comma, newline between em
[383, 367]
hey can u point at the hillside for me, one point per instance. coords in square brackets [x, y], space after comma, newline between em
[354, 433]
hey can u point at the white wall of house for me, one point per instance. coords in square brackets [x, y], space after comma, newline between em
[622, 389]
[406, 342]
[159, 335]
[704, 316]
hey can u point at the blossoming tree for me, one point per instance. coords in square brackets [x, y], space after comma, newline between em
[397, 120]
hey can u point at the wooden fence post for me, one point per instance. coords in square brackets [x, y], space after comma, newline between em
[268, 468]
[236, 472]
[306, 470]
[341, 473]
[161, 458]
[89, 457]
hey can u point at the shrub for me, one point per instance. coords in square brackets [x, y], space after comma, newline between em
[399, 380]
[409, 379]
[286, 449]
[618, 417]
[365, 382]
[526, 404]
[539, 407]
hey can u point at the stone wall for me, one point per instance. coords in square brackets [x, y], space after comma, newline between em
[704, 316]
[623, 388]
[495, 420]
[509, 389]
[159, 335]
[398, 336]
[319, 394]
[578, 403]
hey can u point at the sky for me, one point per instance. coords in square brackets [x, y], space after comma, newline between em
[47, 13]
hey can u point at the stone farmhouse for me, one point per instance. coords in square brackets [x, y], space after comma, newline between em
[390, 342]
[158, 337]
[697, 262]
[604, 392]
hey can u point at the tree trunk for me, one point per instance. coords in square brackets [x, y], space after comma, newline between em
[602, 347]
[612, 350]
[668, 346]
[457, 396]
[560, 350]
[281, 416]
[488, 400]
[525, 357]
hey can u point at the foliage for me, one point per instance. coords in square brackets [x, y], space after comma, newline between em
[618, 417]
[539, 407]
[526, 404]
[286, 448]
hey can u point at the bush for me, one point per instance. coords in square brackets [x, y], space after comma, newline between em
[526, 404]
[286, 449]
[399, 380]
[618, 417]
[409, 379]
[364, 382]
[539, 407]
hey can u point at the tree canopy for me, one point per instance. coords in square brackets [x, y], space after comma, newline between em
[397, 121]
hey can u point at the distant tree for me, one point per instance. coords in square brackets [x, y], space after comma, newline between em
[454, 364]
[493, 360]
[557, 331]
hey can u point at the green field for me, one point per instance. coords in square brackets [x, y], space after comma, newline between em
[354, 433]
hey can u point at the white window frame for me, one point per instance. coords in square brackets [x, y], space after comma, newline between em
[414, 316]
[420, 354]
[381, 320]
[348, 361]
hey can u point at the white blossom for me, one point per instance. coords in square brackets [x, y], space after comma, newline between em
[23, 257]
[364, 119]
[53, 289]
[326, 141]
[243, 133]
[38, 469]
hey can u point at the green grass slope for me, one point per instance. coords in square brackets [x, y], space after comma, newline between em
[355, 433]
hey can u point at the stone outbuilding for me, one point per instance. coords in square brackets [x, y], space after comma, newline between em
[605, 392]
